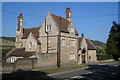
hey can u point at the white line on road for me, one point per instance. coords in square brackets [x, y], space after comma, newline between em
[116, 65]
[78, 77]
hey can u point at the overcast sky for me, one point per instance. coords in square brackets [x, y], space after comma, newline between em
[94, 19]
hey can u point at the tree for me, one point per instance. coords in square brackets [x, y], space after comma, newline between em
[103, 51]
[113, 42]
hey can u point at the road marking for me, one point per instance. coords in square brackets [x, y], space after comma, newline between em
[90, 72]
[81, 77]
[116, 65]
[78, 77]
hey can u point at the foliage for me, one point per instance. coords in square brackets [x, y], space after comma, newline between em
[104, 56]
[98, 51]
[4, 52]
[99, 43]
[9, 38]
[113, 42]
[103, 51]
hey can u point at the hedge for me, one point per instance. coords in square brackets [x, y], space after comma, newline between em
[104, 56]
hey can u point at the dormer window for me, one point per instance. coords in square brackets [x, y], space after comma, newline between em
[30, 45]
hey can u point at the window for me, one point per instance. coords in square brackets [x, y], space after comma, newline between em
[71, 42]
[50, 27]
[63, 42]
[71, 56]
[12, 59]
[30, 45]
[47, 28]
[8, 59]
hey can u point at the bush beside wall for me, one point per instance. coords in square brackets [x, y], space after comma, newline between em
[104, 56]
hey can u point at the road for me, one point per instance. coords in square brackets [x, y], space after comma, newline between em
[92, 72]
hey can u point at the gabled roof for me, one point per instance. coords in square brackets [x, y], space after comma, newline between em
[64, 24]
[20, 52]
[35, 32]
[26, 32]
[90, 45]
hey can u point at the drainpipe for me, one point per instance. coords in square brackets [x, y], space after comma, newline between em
[47, 35]
[87, 56]
[59, 58]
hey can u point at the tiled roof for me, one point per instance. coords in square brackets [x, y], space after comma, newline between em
[26, 31]
[20, 52]
[90, 45]
[64, 24]
[35, 32]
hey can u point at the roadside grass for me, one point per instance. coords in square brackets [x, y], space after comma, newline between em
[110, 62]
[43, 72]
[49, 71]
[20, 74]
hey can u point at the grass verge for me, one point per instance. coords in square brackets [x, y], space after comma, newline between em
[49, 71]
[37, 73]
[110, 62]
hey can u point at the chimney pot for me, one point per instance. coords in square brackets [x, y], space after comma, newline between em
[20, 14]
[68, 8]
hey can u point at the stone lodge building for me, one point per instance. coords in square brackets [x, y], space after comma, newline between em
[55, 42]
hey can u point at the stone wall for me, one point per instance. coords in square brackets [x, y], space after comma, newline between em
[44, 60]
[67, 48]
[47, 59]
[6, 67]
[22, 63]
[92, 56]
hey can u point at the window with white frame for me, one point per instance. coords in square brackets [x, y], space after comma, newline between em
[63, 42]
[30, 45]
[12, 59]
[48, 27]
[71, 42]
[71, 56]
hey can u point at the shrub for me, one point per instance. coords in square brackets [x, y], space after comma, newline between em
[104, 56]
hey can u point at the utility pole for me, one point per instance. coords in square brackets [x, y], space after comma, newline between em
[59, 58]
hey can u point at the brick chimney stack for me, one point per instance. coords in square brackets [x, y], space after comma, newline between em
[68, 14]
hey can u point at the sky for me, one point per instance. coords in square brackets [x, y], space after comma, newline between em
[94, 19]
